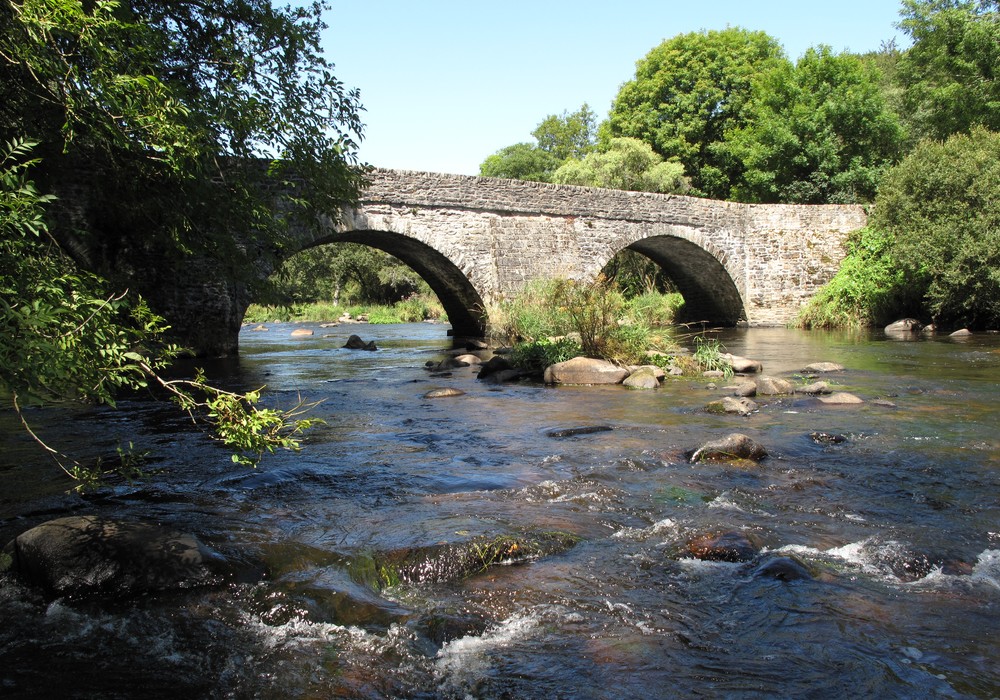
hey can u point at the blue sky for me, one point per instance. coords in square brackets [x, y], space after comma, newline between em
[445, 83]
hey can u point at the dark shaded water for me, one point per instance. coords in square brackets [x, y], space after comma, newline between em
[900, 525]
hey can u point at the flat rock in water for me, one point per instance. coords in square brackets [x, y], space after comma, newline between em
[727, 404]
[585, 370]
[814, 388]
[743, 365]
[841, 398]
[88, 554]
[301, 332]
[443, 393]
[734, 446]
[773, 386]
[821, 367]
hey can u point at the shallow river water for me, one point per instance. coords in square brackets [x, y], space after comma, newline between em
[898, 525]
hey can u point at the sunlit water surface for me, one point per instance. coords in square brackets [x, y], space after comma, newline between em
[899, 524]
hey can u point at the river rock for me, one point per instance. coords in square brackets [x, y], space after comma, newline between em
[469, 359]
[743, 365]
[783, 569]
[355, 343]
[745, 389]
[727, 404]
[733, 546]
[444, 393]
[773, 386]
[903, 326]
[814, 388]
[961, 333]
[732, 447]
[584, 370]
[841, 398]
[822, 367]
[88, 554]
[643, 378]
[301, 332]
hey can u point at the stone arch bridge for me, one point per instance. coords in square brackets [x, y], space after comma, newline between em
[479, 240]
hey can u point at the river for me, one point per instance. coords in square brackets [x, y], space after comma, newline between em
[898, 524]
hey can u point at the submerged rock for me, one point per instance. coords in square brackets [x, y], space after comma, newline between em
[732, 546]
[783, 569]
[444, 393]
[586, 430]
[814, 388]
[732, 447]
[584, 370]
[301, 332]
[89, 554]
[440, 563]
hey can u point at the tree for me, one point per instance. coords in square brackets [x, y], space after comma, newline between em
[951, 74]
[522, 161]
[147, 115]
[557, 138]
[626, 164]
[941, 206]
[932, 246]
[821, 132]
[568, 136]
[687, 93]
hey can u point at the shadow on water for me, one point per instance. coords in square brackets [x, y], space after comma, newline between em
[877, 572]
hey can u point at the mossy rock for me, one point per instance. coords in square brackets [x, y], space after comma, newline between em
[453, 561]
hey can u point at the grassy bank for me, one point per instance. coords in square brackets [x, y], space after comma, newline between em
[412, 310]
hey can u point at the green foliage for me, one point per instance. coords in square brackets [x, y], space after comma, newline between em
[941, 208]
[708, 356]
[656, 310]
[536, 355]
[687, 93]
[870, 288]
[557, 138]
[951, 74]
[624, 164]
[66, 338]
[592, 319]
[349, 273]
[145, 110]
[821, 132]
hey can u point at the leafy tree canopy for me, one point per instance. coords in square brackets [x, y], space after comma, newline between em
[687, 93]
[557, 138]
[821, 132]
[626, 164]
[138, 115]
[951, 74]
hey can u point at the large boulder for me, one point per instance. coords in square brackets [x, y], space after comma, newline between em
[773, 386]
[644, 377]
[903, 326]
[735, 446]
[584, 370]
[355, 343]
[85, 554]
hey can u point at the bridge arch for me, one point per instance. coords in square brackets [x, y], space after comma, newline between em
[460, 299]
[702, 272]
